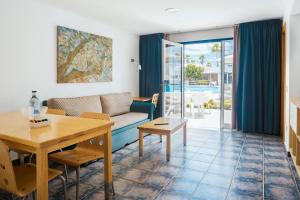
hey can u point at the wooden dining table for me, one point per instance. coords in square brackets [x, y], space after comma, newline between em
[63, 131]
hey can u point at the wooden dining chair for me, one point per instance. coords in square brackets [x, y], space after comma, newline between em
[155, 101]
[84, 152]
[21, 180]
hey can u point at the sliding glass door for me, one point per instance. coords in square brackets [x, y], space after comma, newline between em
[208, 83]
[227, 71]
[197, 82]
[172, 79]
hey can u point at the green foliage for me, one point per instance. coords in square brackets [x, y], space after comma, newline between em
[227, 104]
[193, 72]
[216, 48]
[212, 104]
[203, 82]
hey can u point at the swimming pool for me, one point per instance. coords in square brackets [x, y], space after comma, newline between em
[192, 88]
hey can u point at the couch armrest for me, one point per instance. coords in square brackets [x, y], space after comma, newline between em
[144, 107]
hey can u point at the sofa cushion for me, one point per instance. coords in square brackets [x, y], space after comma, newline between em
[116, 104]
[77, 105]
[121, 121]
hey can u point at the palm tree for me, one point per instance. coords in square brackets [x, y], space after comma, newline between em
[216, 49]
[188, 58]
[202, 59]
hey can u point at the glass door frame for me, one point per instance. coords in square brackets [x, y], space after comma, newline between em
[164, 43]
[222, 71]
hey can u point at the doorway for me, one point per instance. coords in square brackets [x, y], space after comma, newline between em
[197, 82]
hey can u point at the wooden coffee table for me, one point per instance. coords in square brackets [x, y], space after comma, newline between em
[168, 129]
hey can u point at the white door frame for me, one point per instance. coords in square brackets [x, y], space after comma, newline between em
[164, 43]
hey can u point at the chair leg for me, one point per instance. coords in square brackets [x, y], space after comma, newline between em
[66, 172]
[78, 181]
[63, 180]
[160, 138]
[30, 158]
[33, 195]
[11, 197]
[113, 189]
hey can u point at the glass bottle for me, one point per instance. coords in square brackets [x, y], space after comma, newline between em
[35, 105]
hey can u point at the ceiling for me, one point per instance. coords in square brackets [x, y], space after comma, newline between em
[149, 16]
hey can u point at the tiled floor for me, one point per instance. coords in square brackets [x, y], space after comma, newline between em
[213, 166]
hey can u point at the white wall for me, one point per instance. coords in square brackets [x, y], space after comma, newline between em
[28, 54]
[292, 21]
[294, 55]
[296, 7]
[202, 35]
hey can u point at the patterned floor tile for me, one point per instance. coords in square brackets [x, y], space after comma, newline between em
[136, 175]
[157, 180]
[208, 192]
[240, 195]
[171, 195]
[279, 193]
[217, 180]
[146, 164]
[203, 158]
[279, 180]
[278, 170]
[250, 164]
[177, 162]
[214, 165]
[191, 175]
[142, 192]
[123, 186]
[182, 186]
[97, 196]
[208, 151]
[246, 186]
[225, 161]
[183, 154]
[249, 173]
[196, 165]
[221, 169]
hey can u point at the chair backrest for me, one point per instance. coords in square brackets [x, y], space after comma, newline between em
[96, 143]
[56, 111]
[7, 174]
[155, 99]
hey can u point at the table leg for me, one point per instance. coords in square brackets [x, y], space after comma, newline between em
[141, 143]
[168, 146]
[184, 135]
[108, 185]
[42, 174]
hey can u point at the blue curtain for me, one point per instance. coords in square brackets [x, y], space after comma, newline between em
[258, 89]
[151, 67]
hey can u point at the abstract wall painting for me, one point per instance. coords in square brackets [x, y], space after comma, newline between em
[83, 57]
